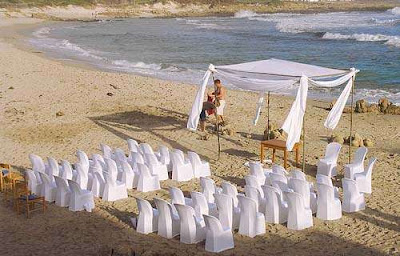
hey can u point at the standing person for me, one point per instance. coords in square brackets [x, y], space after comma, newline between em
[208, 109]
[219, 96]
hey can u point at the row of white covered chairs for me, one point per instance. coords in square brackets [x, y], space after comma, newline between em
[328, 164]
[161, 162]
[354, 171]
[99, 175]
[65, 193]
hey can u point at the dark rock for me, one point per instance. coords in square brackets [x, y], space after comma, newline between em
[110, 94]
[361, 106]
[383, 104]
[59, 113]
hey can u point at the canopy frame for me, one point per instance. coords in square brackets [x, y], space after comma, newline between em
[291, 78]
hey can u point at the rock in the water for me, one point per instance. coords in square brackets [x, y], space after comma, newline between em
[361, 106]
[383, 104]
[59, 113]
[368, 143]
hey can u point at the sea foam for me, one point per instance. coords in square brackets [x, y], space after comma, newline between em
[389, 40]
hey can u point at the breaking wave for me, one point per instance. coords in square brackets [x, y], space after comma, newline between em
[133, 66]
[395, 11]
[245, 14]
[389, 40]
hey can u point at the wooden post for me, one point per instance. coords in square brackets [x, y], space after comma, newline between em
[216, 118]
[268, 116]
[351, 117]
[304, 144]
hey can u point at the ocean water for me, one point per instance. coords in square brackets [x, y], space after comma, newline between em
[181, 49]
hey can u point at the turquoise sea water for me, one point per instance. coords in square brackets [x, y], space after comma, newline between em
[181, 49]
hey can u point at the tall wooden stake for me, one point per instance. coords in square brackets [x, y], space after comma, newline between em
[268, 116]
[351, 117]
[217, 118]
[304, 144]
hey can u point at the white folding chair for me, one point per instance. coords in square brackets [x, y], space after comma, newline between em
[192, 229]
[49, 188]
[37, 163]
[329, 206]
[328, 165]
[231, 190]
[201, 206]
[256, 169]
[156, 167]
[252, 223]
[303, 187]
[82, 177]
[107, 151]
[80, 199]
[226, 214]
[177, 197]
[168, 222]
[363, 179]
[200, 168]
[113, 189]
[67, 173]
[63, 192]
[357, 165]
[127, 175]
[299, 216]
[147, 219]
[276, 209]
[218, 238]
[208, 188]
[98, 184]
[353, 199]
[133, 145]
[279, 170]
[34, 185]
[146, 181]
[252, 181]
[181, 170]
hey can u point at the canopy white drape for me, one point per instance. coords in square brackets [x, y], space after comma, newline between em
[275, 75]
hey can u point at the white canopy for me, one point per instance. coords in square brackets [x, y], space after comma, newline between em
[276, 75]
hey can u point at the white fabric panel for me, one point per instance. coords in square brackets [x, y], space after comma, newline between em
[336, 112]
[197, 107]
[294, 121]
[260, 104]
[336, 82]
[253, 84]
[282, 68]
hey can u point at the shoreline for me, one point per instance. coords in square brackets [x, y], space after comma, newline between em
[154, 111]
[175, 10]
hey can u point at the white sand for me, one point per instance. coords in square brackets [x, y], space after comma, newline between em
[155, 111]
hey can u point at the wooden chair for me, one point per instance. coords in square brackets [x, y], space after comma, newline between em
[24, 199]
[8, 185]
[5, 170]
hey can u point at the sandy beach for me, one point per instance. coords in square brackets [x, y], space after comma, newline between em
[34, 88]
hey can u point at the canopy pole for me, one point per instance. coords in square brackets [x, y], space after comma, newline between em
[216, 117]
[351, 116]
[304, 144]
[268, 116]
